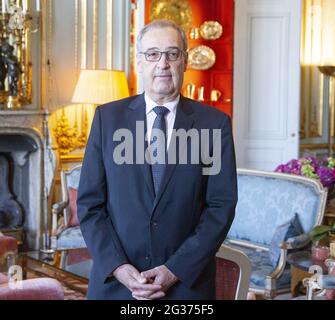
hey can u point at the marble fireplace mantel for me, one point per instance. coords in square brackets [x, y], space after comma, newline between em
[34, 124]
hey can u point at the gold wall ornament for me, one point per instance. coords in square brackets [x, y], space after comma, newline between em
[68, 137]
[178, 11]
[17, 23]
[215, 94]
[211, 30]
[201, 58]
[194, 33]
[201, 93]
[64, 135]
[190, 90]
[82, 138]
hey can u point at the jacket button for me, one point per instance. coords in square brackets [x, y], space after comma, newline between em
[154, 223]
[147, 257]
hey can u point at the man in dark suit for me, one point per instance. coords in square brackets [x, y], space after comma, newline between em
[153, 227]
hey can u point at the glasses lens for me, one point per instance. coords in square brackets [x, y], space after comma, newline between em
[173, 55]
[153, 55]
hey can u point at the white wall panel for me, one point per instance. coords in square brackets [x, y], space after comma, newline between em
[266, 82]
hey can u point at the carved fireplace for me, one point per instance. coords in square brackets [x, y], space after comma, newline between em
[27, 169]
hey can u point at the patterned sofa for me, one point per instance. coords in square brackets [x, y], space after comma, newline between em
[274, 214]
[31, 289]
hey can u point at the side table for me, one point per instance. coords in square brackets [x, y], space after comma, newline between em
[300, 262]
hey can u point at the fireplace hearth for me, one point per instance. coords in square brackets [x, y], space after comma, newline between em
[27, 168]
[11, 213]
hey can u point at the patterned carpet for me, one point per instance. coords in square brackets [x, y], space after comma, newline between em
[69, 294]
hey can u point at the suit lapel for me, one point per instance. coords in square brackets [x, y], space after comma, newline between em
[183, 121]
[136, 112]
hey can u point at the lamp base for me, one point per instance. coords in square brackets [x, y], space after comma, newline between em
[327, 70]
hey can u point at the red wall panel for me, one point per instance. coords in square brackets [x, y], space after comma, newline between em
[220, 75]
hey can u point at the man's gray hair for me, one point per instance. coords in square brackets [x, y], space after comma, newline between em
[159, 24]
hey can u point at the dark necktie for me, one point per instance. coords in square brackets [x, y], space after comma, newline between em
[159, 123]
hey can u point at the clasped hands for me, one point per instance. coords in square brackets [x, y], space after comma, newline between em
[146, 285]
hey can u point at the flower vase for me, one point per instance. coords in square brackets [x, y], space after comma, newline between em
[330, 293]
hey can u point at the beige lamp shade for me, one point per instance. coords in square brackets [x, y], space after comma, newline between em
[100, 86]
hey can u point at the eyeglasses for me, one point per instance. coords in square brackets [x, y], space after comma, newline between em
[155, 55]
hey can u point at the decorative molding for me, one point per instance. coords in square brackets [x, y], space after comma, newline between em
[95, 33]
[76, 38]
[265, 158]
[319, 110]
[109, 35]
[126, 37]
[83, 38]
[278, 95]
[312, 109]
[72, 158]
[314, 146]
[332, 102]
[44, 57]
[49, 53]
[47, 20]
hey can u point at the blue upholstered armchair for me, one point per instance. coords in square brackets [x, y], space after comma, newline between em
[274, 214]
[66, 233]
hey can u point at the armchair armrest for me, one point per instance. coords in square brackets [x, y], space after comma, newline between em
[297, 242]
[57, 208]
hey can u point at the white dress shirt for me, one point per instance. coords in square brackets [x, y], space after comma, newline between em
[169, 118]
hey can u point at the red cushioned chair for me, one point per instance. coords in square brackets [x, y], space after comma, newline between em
[8, 252]
[233, 271]
[32, 289]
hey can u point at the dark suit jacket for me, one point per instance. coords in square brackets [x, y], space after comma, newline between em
[182, 227]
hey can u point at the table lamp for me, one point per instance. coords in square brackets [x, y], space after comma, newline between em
[95, 87]
[100, 86]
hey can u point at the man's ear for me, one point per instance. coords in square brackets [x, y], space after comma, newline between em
[139, 63]
[186, 61]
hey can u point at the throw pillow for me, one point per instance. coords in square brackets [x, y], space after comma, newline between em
[73, 219]
[289, 229]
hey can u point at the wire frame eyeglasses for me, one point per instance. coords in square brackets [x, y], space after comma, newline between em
[155, 55]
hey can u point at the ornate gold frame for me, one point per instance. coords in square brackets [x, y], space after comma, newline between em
[312, 109]
[21, 41]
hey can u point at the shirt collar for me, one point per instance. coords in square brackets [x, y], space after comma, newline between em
[150, 104]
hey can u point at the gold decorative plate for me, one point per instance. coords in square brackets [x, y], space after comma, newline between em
[201, 58]
[211, 30]
[178, 11]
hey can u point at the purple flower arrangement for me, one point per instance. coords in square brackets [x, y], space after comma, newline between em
[311, 167]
